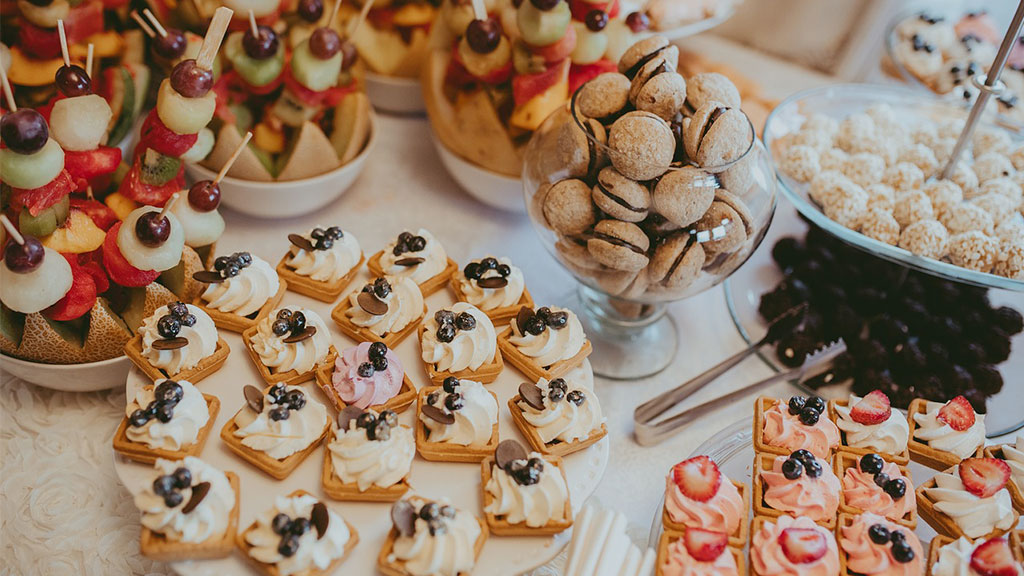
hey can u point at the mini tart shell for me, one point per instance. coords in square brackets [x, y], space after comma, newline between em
[1017, 544]
[846, 520]
[555, 447]
[271, 569]
[530, 368]
[902, 458]
[759, 521]
[1016, 538]
[157, 547]
[360, 334]
[234, 322]
[205, 367]
[139, 452]
[324, 291]
[397, 404]
[499, 526]
[278, 469]
[922, 453]
[291, 376]
[428, 286]
[737, 539]
[763, 404]
[1016, 490]
[497, 315]
[844, 460]
[763, 462]
[667, 538]
[397, 567]
[338, 490]
[447, 451]
[485, 374]
[942, 523]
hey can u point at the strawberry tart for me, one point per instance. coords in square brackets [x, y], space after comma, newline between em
[969, 500]
[799, 484]
[799, 424]
[870, 425]
[787, 545]
[963, 557]
[698, 552]
[941, 435]
[872, 484]
[873, 546]
[698, 495]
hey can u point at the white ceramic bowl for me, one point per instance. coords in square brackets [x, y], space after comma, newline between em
[102, 375]
[277, 200]
[395, 95]
[491, 188]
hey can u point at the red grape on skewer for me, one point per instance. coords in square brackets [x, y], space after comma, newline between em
[172, 46]
[483, 36]
[204, 196]
[153, 229]
[24, 258]
[324, 43]
[72, 81]
[262, 47]
[191, 81]
[311, 10]
[24, 131]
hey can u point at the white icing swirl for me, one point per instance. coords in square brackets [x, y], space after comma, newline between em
[975, 516]
[201, 336]
[450, 553]
[405, 304]
[281, 438]
[474, 422]
[435, 260]
[364, 462]
[325, 265]
[246, 293]
[941, 436]
[201, 228]
[301, 356]
[190, 415]
[491, 298]
[1014, 456]
[536, 504]
[470, 349]
[314, 553]
[889, 437]
[551, 345]
[209, 519]
[955, 559]
[563, 420]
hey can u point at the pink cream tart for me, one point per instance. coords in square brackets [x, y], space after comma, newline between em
[860, 491]
[722, 513]
[679, 562]
[365, 391]
[863, 556]
[785, 430]
[768, 556]
[815, 498]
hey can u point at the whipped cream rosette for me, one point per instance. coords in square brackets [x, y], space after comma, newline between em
[870, 547]
[490, 283]
[246, 283]
[186, 501]
[1014, 456]
[549, 335]
[432, 539]
[676, 559]
[386, 306]
[369, 374]
[461, 413]
[419, 257]
[325, 255]
[956, 507]
[460, 338]
[558, 413]
[686, 506]
[370, 449]
[955, 558]
[769, 556]
[524, 489]
[298, 535]
[290, 339]
[782, 427]
[889, 436]
[166, 416]
[193, 333]
[288, 421]
[800, 484]
[872, 484]
[948, 428]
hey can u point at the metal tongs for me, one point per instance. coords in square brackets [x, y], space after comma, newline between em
[649, 432]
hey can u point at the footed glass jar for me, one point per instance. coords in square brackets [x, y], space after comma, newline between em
[620, 203]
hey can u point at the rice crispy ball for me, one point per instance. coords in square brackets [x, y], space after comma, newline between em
[822, 122]
[856, 133]
[827, 184]
[904, 176]
[1011, 229]
[846, 205]
[881, 196]
[833, 159]
[943, 149]
[800, 162]
[921, 156]
[965, 178]
[999, 207]
[864, 168]
[967, 217]
[973, 250]
[912, 206]
[817, 139]
[1011, 259]
[991, 166]
[987, 139]
[950, 128]
[944, 195]
[925, 238]
[1017, 158]
[879, 224]
[884, 116]
[925, 134]
[1003, 186]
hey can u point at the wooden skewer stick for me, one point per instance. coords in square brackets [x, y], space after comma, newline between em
[63, 43]
[234, 156]
[12, 230]
[214, 36]
[169, 204]
[143, 24]
[479, 11]
[88, 193]
[355, 24]
[156, 23]
[252, 24]
[88, 59]
[12, 106]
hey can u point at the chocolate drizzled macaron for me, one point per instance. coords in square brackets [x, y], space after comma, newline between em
[682, 196]
[620, 197]
[710, 87]
[603, 97]
[717, 135]
[677, 261]
[642, 145]
[658, 89]
[619, 245]
[568, 208]
[639, 54]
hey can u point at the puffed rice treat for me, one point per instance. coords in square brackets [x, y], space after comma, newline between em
[944, 195]
[925, 238]
[822, 122]
[864, 168]
[884, 117]
[967, 217]
[1011, 259]
[1003, 186]
[925, 134]
[827, 184]
[904, 176]
[987, 139]
[950, 128]
[922, 157]
[965, 178]
[846, 205]
[817, 139]
[1011, 230]
[856, 133]
[881, 196]
[991, 166]
[800, 162]
[999, 207]
[973, 250]
[912, 206]
[1017, 158]
[879, 224]
[833, 159]
[943, 150]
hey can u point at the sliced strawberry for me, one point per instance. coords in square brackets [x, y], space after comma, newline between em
[39, 199]
[499, 76]
[134, 189]
[872, 409]
[705, 545]
[994, 558]
[329, 97]
[580, 74]
[803, 545]
[90, 164]
[92, 263]
[100, 213]
[527, 86]
[958, 414]
[697, 478]
[118, 268]
[984, 477]
[558, 51]
[80, 298]
[156, 135]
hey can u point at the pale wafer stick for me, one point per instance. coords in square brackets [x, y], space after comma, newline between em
[8, 95]
[355, 24]
[143, 24]
[234, 156]
[214, 36]
[12, 230]
[156, 23]
[169, 204]
[252, 24]
[88, 59]
[63, 43]
[479, 11]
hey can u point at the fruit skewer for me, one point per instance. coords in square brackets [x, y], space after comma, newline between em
[257, 57]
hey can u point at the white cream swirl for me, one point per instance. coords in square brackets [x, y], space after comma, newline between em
[435, 259]
[190, 415]
[551, 345]
[491, 298]
[536, 504]
[470, 349]
[975, 516]
[246, 293]
[209, 519]
[314, 552]
[448, 553]
[955, 559]
[364, 462]
[301, 356]
[563, 420]
[201, 336]
[1014, 456]
[889, 437]
[474, 422]
[281, 438]
[325, 265]
[941, 436]
[405, 304]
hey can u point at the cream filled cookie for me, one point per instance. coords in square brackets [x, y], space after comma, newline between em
[240, 291]
[460, 341]
[321, 262]
[178, 341]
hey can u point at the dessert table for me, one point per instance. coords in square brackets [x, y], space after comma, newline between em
[62, 509]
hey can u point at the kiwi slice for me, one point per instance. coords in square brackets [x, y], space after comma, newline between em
[123, 103]
[243, 117]
[46, 221]
[157, 169]
[266, 159]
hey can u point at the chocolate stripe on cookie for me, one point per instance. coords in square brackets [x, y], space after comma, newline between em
[591, 150]
[682, 254]
[712, 118]
[631, 72]
[619, 242]
[619, 200]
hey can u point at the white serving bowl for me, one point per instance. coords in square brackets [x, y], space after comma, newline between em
[102, 375]
[394, 94]
[285, 199]
[497, 190]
